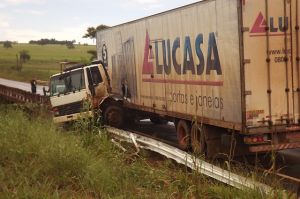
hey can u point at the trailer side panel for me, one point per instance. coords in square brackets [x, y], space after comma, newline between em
[185, 62]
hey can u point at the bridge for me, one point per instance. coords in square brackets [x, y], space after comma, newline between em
[19, 92]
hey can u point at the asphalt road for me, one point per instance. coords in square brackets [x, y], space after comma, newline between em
[164, 132]
[21, 85]
[289, 159]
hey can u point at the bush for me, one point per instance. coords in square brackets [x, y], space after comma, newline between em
[93, 54]
[24, 56]
[70, 45]
[7, 44]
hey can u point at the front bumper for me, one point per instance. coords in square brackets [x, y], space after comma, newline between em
[72, 117]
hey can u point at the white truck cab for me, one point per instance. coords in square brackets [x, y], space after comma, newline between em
[75, 85]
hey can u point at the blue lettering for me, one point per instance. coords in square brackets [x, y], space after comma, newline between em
[272, 28]
[213, 63]
[159, 68]
[200, 66]
[283, 24]
[167, 66]
[188, 63]
[176, 45]
[284, 27]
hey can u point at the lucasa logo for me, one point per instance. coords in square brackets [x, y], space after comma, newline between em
[276, 26]
[194, 62]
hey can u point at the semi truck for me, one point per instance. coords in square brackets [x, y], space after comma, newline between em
[226, 72]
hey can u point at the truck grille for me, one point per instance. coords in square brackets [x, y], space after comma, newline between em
[69, 109]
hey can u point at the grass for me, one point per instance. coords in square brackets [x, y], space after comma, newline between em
[44, 60]
[37, 160]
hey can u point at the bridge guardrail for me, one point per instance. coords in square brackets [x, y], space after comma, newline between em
[21, 96]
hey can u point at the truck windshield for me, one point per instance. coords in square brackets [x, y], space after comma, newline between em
[67, 82]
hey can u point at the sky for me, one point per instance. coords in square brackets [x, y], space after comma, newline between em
[25, 20]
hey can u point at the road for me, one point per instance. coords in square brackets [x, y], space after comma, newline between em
[164, 132]
[290, 157]
[21, 85]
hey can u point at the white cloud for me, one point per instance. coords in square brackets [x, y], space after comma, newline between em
[25, 35]
[2, 5]
[146, 1]
[32, 12]
[35, 12]
[4, 23]
[15, 2]
[144, 4]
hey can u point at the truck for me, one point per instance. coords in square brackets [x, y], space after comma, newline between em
[226, 72]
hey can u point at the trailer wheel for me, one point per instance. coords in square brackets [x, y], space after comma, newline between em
[114, 116]
[198, 139]
[183, 134]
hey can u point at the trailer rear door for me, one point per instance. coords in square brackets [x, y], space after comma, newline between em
[271, 68]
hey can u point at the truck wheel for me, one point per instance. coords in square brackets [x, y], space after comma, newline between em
[183, 134]
[114, 116]
[198, 139]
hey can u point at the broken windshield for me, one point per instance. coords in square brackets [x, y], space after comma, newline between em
[67, 82]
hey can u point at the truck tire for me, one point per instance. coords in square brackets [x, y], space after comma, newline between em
[183, 135]
[198, 142]
[114, 116]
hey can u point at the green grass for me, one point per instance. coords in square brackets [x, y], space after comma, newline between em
[44, 60]
[37, 160]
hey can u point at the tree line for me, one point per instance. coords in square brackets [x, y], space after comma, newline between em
[11, 42]
[51, 41]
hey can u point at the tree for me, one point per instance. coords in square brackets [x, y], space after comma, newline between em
[50, 41]
[7, 44]
[91, 31]
[24, 56]
[102, 27]
[70, 45]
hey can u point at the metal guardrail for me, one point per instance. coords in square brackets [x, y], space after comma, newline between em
[21, 96]
[190, 161]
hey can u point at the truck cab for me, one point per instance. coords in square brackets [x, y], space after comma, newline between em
[75, 85]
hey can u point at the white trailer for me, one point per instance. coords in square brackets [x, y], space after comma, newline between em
[230, 67]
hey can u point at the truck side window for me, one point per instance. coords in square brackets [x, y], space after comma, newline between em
[96, 76]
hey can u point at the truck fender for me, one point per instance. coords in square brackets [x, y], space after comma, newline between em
[111, 99]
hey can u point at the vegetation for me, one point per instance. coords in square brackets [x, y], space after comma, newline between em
[44, 60]
[51, 41]
[93, 54]
[24, 56]
[91, 31]
[70, 45]
[7, 44]
[39, 161]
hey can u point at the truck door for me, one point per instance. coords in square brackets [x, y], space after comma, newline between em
[97, 85]
[271, 69]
